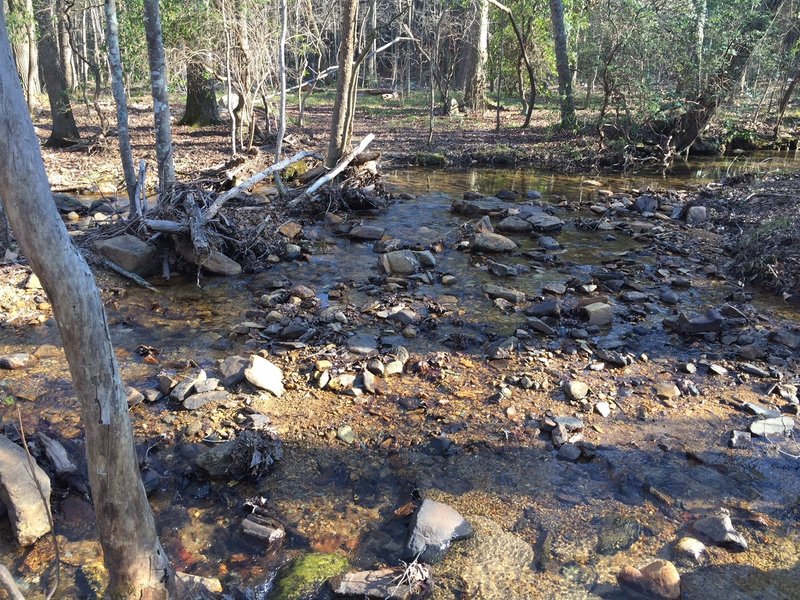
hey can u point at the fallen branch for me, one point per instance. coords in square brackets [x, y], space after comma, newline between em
[212, 210]
[166, 226]
[199, 239]
[125, 273]
[9, 585]
[335, 171]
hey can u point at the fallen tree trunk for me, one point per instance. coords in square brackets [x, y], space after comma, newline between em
[335, 171]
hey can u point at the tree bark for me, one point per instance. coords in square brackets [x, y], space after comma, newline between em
[25, 50]
[201, 100]
[342, 108]
[158, 85]
[64, 46]
[138, 567]
[565, 94]
[283, 9]
[475, 86]
[65, 131]
[121, 100]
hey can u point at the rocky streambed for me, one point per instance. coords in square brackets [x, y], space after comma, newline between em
[563, 384]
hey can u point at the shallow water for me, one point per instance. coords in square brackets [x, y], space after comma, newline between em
[543, 526]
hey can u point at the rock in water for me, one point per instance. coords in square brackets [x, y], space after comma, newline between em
[400, 262]
[719, 529]
[434, 527]
[491, 242]
[598, 313]
[382, 584]
[20, 360]
[305, 575]
[264, 375]
[659, 580]
[362, 343]
[690, 552]
[20, 494]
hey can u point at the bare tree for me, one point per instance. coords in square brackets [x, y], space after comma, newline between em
[475, 90]
[121, 100]
[344, 105]
[65, 131]
[562, 64]
[25, 50]
[158, 85]
[137, 565]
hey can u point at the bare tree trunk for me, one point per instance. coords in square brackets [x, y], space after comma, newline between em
[339, 140]
[137, 565]
[562, 65]
[64, 46]
[372, 59]
[25, 50]
[475, 89]
[65, 131]
[158, 84]
[284, 16]
[201, 101]
[121, 100]
[784, 102]
[701, 14]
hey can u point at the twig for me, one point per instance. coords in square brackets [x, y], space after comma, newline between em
[125, 273]
[32, 468]
[212, 210]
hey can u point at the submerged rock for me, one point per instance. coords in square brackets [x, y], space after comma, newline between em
[433, 528]
[304, 576]
[383, 584]
[659, 580]
[491, 242]
[617, 533]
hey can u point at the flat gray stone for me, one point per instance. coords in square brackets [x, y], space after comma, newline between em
[366, 232]
[514, 224]
[186, 385]
[545, 223]
[20, 494]
[491, 242]
[598, 313]
[195, 401]
[362, 343]
[496, 291]
[719, 529]
[433, 528]
[400, 262]
[130, 253]
[781, 426]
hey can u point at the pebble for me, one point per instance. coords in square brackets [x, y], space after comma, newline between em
[719, 529]
[576, 390]
[659, 580]
[569, 452]
[345, 434]
[689, 551]
[603, 409]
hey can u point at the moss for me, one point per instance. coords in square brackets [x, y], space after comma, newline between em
[303, 577]
[430, 159]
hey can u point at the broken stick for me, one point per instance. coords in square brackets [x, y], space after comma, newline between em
[212, 210]
[335, 171]
[125, 273]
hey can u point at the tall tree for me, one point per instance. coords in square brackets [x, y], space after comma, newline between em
[65, 131]
[344, 105]
[137, 564]
[158, 86]
[562, 64]
[25, 50]
[121, 100]
[64, 45]
[475, 85]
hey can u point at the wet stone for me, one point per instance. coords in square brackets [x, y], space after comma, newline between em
[548, 243]
[617, 533]
[545, 308]
[491, 242]
[366, 232]
[381, 584]
[659, 580]
[362, 343]
[433, 528]
[540, 326]
[544, 223]
[496, 291]
[719, 529]
[690, 552]
[484, 225]
[598, 313]
[513, 224]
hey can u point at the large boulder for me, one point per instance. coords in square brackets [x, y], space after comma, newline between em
[130, 253]
[20, 494]
[400, 262]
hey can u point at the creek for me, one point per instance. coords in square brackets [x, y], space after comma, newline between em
[546, 528]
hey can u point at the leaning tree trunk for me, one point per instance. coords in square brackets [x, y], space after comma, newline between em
[201, 100]
[475, 88]
[566, 96]
[339, 140]
[121, 100]
[158, 85]
[25, 50]
[65, 131]
[686, 127]
[137, 565]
